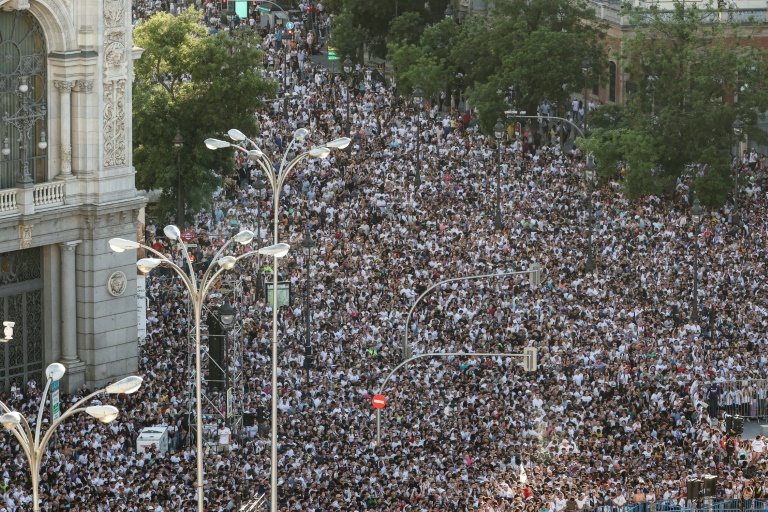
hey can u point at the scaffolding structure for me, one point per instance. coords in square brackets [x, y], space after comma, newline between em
[222, 398]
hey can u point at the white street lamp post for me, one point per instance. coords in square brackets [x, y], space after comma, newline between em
[276, 177]
[34, 447]
[198, 292]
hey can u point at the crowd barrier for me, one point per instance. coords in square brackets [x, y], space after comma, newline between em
[745, 398]
[715, 505]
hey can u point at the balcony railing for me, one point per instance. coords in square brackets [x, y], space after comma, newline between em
[42, 197]
[7, 201]
[49, 194]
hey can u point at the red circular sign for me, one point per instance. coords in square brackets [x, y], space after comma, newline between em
[379, 401]
[188, 235]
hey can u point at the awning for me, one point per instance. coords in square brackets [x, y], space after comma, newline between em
[281, 15]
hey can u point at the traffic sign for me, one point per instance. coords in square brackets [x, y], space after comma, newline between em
[188, 235]
[289, 25]
[264, 10]
[379, 401]
[55, 404]
[332, 55]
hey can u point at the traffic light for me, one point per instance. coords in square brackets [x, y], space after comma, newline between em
[530, 359]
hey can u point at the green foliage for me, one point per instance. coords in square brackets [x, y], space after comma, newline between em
[197, 85]
[684, 72]
[537, 46]
[406, 29]
[374, 18]
[348, 36]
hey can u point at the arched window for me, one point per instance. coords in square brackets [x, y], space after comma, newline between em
[612, 83]
[23, 99]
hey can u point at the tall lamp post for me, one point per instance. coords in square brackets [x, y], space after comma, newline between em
[306, 247]
[178, 144]
[738, 131]
[498, 130]
[34, 446]
[348, 67]
[590, 176]
[586, 67]
[418, 99]
[227, 318]
[276, 177]
[697, 215]
[198, 293]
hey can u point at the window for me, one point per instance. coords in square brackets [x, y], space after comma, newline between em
[612, 83]
[23, 98]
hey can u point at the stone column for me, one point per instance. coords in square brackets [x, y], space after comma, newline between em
[65, 119]
[81, 142]
[75, 375]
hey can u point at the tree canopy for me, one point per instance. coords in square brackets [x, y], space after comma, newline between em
[536, 47]
[198, 86]
[371, 21]
[689, 79]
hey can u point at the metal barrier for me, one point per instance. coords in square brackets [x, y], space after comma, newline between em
[714, 505]
[745, 398]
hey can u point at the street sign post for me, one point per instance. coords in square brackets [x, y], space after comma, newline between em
[379, 401]
[333, 53]
[264, 10]
[55, 404]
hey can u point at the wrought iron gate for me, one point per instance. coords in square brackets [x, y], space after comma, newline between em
[21, 301]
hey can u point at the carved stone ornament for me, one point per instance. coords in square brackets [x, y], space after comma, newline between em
[114, 13]
[114, 123]
[85, 86]
[25, 236]
[66, 158]
[117, 283]
[64, 86]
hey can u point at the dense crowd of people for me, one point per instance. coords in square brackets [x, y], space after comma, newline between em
[625, 406]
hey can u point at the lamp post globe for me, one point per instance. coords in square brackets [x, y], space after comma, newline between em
[499, 129]
[738, 127]
[307, 244]
[586, 66]
[417, 95]
[348, 65]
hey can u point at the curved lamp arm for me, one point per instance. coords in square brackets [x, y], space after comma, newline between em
[211, 265]
[464, 278]
[185, 252]
[206, 283]
[42, 409]
[191, 285]
[24, 442]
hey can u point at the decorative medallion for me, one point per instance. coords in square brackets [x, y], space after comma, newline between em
[116, 283]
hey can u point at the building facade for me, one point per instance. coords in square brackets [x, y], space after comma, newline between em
[752, 14]
[66, 187]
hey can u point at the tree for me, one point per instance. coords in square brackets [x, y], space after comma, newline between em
[374, 18]
[405, 29]
[348, 36]
[685, 73]
[198, 85]
[535, 46]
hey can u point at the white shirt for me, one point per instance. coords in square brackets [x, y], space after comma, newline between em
[224, 435]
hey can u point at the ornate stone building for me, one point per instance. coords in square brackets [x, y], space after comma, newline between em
[66, 187]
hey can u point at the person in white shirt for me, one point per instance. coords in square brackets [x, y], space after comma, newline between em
[758, 447]
[225, 435]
